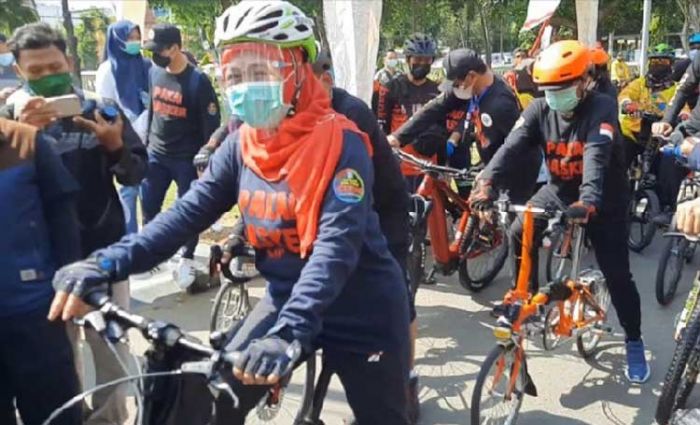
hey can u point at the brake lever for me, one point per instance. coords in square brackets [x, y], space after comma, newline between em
[215, 383]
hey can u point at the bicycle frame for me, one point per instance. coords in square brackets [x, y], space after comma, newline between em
[445, 252]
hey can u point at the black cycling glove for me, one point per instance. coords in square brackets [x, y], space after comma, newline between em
[482, 196]
[86, 277]
[201, 160]
[268, 356]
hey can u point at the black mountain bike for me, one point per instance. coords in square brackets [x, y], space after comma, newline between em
[685, 365]
[644, 203]
[178, 366]
[678, 249]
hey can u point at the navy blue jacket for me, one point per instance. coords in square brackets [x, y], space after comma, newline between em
[348, 294]
[37, 217]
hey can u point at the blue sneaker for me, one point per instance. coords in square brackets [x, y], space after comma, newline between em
[638, 370]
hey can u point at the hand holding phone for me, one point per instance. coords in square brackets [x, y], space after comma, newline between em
[36, 112]
[108, 133]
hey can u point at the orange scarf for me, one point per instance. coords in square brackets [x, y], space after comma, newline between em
[304, 152]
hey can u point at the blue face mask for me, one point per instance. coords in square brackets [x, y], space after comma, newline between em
[6, 59]
[258, 104]
[564, 100]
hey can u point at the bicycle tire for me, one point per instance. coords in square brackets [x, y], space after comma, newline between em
[550, 340]
[466, 278]
[556, 239]
[647, 227]
[600, 292]
[484, 373]
[670, 269]
[681, 354]
[236, 313]
[266, 413]
[416, 257]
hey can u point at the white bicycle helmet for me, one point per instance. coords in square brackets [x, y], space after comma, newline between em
[272, 21]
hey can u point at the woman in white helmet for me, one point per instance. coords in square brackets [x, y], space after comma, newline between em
[302, 178]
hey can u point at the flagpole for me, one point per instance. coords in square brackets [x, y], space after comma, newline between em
[645, 37]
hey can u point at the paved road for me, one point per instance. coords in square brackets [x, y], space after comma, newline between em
[455, 337]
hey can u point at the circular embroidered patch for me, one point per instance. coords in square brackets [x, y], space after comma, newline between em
[486, 120]
[348, 186]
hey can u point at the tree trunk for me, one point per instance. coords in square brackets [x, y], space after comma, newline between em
[72, 42]
[485, 33]
[684, 36]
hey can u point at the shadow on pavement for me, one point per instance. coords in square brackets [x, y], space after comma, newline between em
[605, 383]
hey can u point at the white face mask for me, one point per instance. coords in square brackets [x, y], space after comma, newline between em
[462, 93]
[391, 63]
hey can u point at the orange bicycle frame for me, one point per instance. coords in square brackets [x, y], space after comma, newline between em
[444, 250]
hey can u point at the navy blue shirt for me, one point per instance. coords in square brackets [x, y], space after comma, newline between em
[349, 293]
[39, 222]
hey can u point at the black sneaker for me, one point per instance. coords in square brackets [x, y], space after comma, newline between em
[413, 403]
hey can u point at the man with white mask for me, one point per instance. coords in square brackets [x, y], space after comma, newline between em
[475, 106]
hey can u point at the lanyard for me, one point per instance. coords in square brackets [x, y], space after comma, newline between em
[475, 100]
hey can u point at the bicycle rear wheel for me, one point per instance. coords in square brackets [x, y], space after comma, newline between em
[587, 341]
[671, 397]
[482, 255]
[670, 269]
[644, 206]
[231, 305]
[490, 403]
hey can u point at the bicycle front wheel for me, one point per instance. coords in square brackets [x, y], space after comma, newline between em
[482, 255]
[288, 402]
[558, 261]
[644, 206]
[670, 269]
[415, 262]
[231, 305]
[671, 397]
[493, 401]
[587, 341]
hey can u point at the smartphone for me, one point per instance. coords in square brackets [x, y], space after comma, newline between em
[66, 106]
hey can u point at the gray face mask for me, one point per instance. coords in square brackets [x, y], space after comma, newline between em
[462, 93]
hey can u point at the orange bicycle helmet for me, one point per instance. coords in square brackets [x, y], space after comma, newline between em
[599, 57]
[561, 63]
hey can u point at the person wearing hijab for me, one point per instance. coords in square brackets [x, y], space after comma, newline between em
[123, 77]
[302, 177]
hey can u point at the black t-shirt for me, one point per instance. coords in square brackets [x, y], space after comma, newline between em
[400, 99]
[390, 196]
[583, 155]
[184, 112]
[679, 68]
[490, 118]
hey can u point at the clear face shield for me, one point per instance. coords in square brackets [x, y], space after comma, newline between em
[254, 80]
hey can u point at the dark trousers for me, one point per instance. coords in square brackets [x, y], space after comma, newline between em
[376, 390]
[608, 235]
[37, 373]
[162, 170]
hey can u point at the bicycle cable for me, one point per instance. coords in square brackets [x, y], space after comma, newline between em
[80, 397]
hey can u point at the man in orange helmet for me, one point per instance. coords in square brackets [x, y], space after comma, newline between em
[576, 127]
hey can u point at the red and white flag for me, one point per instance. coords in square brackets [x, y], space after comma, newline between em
[539, 11]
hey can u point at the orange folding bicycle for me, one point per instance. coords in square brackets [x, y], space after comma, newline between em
[477, 250]
[580, 312]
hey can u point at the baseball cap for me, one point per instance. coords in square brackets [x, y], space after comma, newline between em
[458, 64]
[162, 36]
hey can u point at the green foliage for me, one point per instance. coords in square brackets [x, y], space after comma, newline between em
[15, 13]
[91, 33]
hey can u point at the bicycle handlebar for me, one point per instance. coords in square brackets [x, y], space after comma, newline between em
[154, 331]
[428, 167]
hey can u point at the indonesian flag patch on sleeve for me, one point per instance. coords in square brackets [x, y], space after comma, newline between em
[607, 130]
